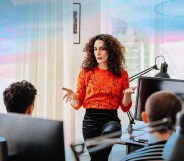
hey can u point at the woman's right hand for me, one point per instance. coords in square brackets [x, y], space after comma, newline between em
[69, 95]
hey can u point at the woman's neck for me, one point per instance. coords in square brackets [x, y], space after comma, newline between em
[103, 66]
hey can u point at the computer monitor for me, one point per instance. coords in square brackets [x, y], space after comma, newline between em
[32, 139]
[148, 85]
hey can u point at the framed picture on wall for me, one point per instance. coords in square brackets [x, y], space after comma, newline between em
[76, 22]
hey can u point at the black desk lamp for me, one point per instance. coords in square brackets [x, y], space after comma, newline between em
[163, 73]
[173, 150]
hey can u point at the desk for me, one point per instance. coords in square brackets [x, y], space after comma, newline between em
[134, 140]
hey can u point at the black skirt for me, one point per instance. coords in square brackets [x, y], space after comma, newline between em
[95, 118]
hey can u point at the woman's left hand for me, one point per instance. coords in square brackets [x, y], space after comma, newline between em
[130, 90]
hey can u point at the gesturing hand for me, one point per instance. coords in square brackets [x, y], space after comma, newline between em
[69, 95]
[130, 90]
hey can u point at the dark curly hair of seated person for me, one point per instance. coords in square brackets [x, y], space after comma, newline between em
[19, 96]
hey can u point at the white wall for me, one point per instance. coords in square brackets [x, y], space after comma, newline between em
[90, 26]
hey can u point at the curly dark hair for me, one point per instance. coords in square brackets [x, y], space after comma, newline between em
[116, 54]
[18, 96]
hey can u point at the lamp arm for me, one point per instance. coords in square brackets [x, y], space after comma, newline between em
[129, 113]
[131, 119]
[142, 73]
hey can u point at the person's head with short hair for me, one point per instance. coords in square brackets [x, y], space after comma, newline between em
[161, 105]
[19, 97]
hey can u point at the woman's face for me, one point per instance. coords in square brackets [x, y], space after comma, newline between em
[100, 52]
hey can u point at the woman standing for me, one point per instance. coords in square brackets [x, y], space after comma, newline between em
[102, 88]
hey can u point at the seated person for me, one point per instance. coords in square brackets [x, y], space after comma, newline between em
[159, 105]
[19, 97]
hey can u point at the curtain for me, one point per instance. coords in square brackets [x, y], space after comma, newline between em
[36, 42]
[39, 50]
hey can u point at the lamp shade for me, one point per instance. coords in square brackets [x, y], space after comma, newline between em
[173, 150]
[163, 71]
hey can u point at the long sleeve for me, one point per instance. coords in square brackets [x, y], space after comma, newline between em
[125, 83]
[81, 89]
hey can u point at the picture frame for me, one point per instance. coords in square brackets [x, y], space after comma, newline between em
[76, 22]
